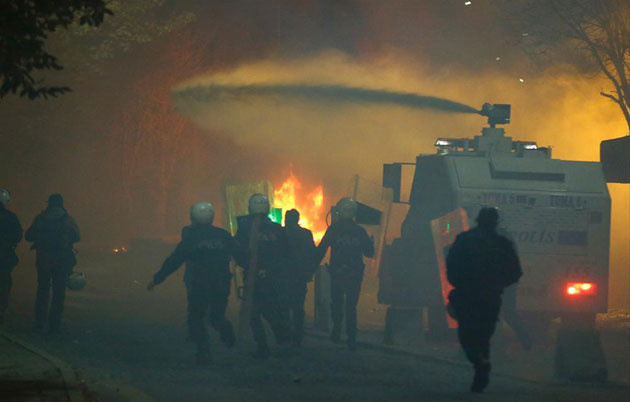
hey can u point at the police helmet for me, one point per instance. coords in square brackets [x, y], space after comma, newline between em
[76, 281]
[202, 212]
[347, 208]
[258, 204]
[5, 197]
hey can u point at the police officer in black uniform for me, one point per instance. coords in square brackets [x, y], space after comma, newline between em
[53, 234]
[480, 264]
[10, 236]
[263, 252]
[206, 250]
[301, 269]
[349, 243]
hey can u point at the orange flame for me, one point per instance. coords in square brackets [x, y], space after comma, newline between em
[310, 206]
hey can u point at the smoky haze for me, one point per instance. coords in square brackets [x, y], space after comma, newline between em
[121, 148]
[329, 141]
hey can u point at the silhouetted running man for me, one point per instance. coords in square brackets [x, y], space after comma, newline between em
[480, 264]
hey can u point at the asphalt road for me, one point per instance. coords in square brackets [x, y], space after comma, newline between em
[129, 345]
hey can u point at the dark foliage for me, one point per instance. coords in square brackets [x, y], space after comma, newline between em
[24, 27]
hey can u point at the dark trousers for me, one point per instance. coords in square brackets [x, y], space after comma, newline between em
[50, 274]
[270, 303]
[207, 300]
[5, 289]
[477, 319]
[345, 291]
[297, 295]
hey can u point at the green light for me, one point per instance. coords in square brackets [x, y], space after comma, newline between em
[275, 214]
[448, 227]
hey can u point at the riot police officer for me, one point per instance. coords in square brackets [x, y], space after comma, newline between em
[207, 251]
[349, 243]
[480, 264]
[301, 268]
[263, 252]
[10, 236]
[53, 234]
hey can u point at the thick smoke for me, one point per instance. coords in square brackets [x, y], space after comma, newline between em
[74, 145]
[326, 94]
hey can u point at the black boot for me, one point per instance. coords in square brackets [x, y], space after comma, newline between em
[481, 378]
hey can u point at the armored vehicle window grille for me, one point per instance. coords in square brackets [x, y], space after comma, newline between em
[533, 176]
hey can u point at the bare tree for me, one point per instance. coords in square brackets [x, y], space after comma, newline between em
[153, 137]
[593, 35]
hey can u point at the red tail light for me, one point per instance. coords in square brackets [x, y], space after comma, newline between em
[581, 289]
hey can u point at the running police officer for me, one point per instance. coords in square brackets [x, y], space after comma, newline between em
[206, 250]
[263, 253]
[301, 269]
[10, 236]
[349, 243]
[53, 234]
[480, 264]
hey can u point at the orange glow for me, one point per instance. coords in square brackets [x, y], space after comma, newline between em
[310, 205]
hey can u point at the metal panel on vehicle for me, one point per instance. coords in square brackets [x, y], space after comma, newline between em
[529, 174]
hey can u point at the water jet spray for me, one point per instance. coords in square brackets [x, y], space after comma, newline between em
[323, 93]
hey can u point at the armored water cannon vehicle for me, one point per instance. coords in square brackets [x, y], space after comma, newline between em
[557, 212]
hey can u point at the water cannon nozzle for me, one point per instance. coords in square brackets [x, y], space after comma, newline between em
[497, 113]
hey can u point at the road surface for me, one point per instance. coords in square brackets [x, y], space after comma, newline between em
[129, 344]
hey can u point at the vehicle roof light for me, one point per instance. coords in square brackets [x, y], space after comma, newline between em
[581, 289]
[442, 142]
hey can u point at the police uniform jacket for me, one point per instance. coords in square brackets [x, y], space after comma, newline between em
[207, 251]
[272, 247]
[348, 243]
